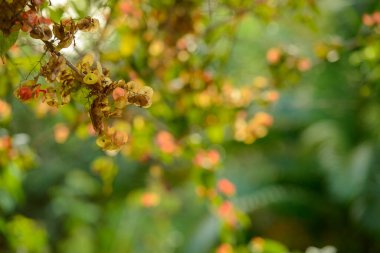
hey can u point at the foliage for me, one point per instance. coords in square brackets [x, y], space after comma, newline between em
[182, 175]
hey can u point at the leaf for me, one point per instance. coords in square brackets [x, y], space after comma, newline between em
[7, 41]
[82, 96]
[204, 236]
[216, 133]
[56, 14]
[80, 8]
[271, 246]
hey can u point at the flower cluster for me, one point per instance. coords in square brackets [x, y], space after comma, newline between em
[250, 130]
[207, 159]
[166, 142]
[106, 98]
[286, 63]
[276, 56]
[226, 187]
[227, 212]
[241, 97]
[150, 199]
[371, 20]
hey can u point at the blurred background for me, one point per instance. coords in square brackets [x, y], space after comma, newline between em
[262, 136]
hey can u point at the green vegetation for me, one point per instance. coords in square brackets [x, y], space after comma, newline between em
[259, 133]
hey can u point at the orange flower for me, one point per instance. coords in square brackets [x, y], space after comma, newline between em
[214, 156]
[166, 142]
[128, 7]
[272, 96]
[303, 64]
[61, 132]
[150, 199]
[207, 159]
[274, 55]
[263, 118]
[118, 93]
[225, 248]
[376, 17]
[5, 110]
[226, 187]
[226, 212]
[367, 20]
[5, 142]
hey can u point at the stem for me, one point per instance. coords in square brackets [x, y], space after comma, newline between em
[52, 50]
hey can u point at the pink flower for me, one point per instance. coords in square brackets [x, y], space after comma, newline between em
[118, 93]
[376, 17]
[226, 187]
[226, 212]
[303, 64]
[207, 159]
[166, 142]
[367, 20]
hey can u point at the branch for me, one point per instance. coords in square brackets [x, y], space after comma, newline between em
[52, 50]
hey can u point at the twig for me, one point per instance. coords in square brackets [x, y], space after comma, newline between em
[52, 50]
[39, 62]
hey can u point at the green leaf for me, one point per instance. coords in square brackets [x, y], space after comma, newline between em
[7, 41]
[80, 8]
[216, 133]
[56, 14]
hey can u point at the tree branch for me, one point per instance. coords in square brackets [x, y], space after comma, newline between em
[52, 50]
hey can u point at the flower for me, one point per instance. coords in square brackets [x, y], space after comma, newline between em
[227, 213]
[166, 142]
[150, 199]
[61, 132]
[207, 159]
[367, 20]
[303, 64]
[224, 248]
[274, 55]
[226, 187]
